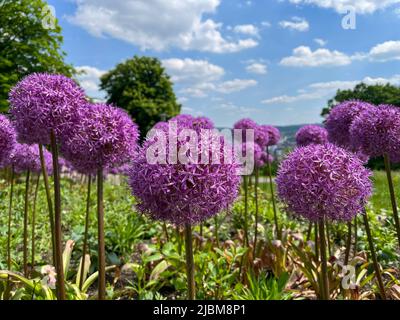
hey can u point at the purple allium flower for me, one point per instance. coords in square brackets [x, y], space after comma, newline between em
[183, 193]
[340, 119]
[185, 120]
[41, 102]
[323, 181]
[104, 137]
[200, 123]
[311, 134]
[7, 139]
[26, 157]
[273, 134]
[261, 137]
[377, 131]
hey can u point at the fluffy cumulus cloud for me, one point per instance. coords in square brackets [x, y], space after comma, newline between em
[248, 29]
[89, 79]
[257, 68]
[296, 23]
[325, 90]
[386, 51]
[197, 78]
[361, 6]
[192, 71]
[304, 57]
[158, 24]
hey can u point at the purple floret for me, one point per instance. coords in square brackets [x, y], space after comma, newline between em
[183, 193]
[311, 134]
[323, 182]
[376, 132]
[42, 102]
[104, 137]
[7, 139]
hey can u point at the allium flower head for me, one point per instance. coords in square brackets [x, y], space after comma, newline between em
[273, 134]
[311, 134]
[104, 137]
[7, 139]
[41, 102]
[323, 182]
[26, 157]
[340, 119]
[183, 193]
[261, 137]
[377, 131]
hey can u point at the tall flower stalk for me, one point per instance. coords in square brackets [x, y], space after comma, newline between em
[85, 235]
[100, 237]
[377, 269]
[271, 188]
[324, 264]
[33, 221]
[388, 170]
[26, 214]
[189, 262]
[49, 202]
[57, 218]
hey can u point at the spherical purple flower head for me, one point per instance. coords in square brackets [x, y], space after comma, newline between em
[41, 102]
[311, 134]
[104, 137]
[273, 134]
[200, 123]
[183, 193]
[261, 137]
[184, 120]
[7, 139]
[26, 157]
[340, 119]
[377, 131]
[323, 181]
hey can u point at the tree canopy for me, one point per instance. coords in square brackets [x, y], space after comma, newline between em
[141, 86]
[26, 45]
[375, 94]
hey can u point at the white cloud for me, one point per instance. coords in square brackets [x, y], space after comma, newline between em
[90, 81]
[325, 90]
[320, 42]
[157, 24]
[361, 6]
[192, 71]
[304, 57]
[247, 29]
[298, 24]
[197, 78]
[235, 85]
[257, 68]
[266, 24]
[389, 50]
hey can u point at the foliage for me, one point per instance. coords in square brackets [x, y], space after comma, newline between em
[26, 46]
[150, 266]
[141, 86]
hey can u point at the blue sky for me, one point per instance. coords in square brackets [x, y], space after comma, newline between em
[276, 61]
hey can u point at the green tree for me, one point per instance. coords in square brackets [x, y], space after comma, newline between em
[376, 94]
[26, 45]
[142, 87]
